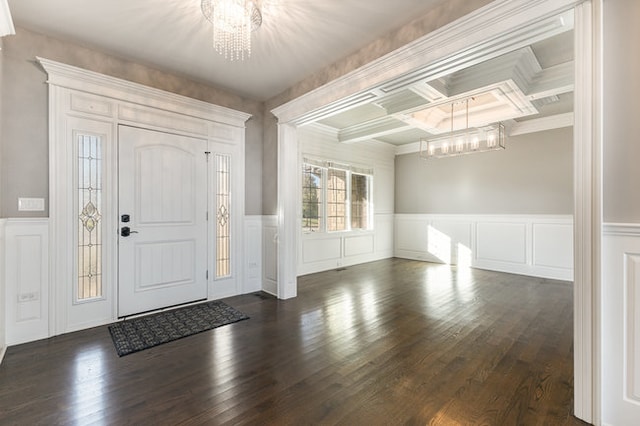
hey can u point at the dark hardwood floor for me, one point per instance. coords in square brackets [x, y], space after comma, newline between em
[394, 342]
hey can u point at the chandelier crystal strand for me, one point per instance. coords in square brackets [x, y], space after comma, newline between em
[233, 21]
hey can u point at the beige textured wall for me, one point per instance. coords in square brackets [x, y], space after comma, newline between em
[534, 175]
[445, 13]
[24, 131]
[621, 146]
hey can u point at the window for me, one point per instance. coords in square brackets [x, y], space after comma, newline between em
[223, 216]
[311, 198]
[359, 201]
[336, 200]
[89, 214]
[335, 197]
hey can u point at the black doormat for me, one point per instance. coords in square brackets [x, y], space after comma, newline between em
[141, 333]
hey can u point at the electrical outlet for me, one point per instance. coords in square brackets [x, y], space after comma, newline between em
[28, 297]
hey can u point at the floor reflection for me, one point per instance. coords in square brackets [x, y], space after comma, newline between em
[89, 384]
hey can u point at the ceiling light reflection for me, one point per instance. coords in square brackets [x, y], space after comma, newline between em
[88, 383]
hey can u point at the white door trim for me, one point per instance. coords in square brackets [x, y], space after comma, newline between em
[78, 94]
[484, 33]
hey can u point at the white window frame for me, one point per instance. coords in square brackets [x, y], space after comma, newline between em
[323, 210]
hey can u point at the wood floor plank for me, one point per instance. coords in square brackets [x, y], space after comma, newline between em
[389, 342]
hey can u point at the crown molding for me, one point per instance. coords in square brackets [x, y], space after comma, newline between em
[6, 23]
[71, 77]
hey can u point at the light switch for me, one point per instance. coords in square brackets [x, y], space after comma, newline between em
[31, 204]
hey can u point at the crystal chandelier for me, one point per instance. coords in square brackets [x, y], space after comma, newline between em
[233, 21]
[467, 140]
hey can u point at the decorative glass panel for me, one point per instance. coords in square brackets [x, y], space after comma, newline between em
[311, 198]
[359, 201]
[89, 217]
[223, 226]
[336, 200]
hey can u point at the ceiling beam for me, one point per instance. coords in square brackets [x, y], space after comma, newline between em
[372, 129]
[552, 81]
[557, 121]
[520, 66]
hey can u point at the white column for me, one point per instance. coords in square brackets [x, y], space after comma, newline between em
[288, 196]
[587, 210]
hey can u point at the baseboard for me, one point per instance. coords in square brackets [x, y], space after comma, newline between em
[3, 350]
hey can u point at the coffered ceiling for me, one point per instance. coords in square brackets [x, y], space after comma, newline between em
[528, 88]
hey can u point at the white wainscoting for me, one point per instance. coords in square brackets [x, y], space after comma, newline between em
[620, 324]
[326, 251]
[26, 280]
[252, 261]
[536, 245]
[3, 339]
[270, 254]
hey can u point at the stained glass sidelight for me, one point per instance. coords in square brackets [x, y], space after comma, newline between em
[223, 225]
[89, 217]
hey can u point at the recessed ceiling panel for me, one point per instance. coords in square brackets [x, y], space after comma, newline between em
[500, 102]
[354, 116]
[555, 50]
[562, 105]
[404, 137]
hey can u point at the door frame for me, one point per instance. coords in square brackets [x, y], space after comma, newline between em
[487, 32]
[79, 94]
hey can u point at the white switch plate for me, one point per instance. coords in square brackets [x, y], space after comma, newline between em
[31, 204]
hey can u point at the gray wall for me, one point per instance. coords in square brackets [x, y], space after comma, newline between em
[621, 130]
[444, 13]
[534, 175]
[24, 130]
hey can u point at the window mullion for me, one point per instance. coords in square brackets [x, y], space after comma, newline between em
[348, 202]
[325, 181]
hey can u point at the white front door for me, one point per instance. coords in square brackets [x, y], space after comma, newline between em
[162, 206]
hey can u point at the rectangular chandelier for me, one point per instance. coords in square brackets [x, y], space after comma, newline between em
[466, 141]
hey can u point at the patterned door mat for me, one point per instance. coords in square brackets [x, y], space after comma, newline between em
[141, 333]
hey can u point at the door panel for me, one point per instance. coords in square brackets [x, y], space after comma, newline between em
[162, 188]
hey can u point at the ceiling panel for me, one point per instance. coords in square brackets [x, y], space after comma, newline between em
[404, 137]
[351, 116]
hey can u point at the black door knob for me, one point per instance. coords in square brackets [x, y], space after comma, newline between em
[125, 231]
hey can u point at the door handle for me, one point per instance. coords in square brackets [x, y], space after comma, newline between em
[125, 231]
